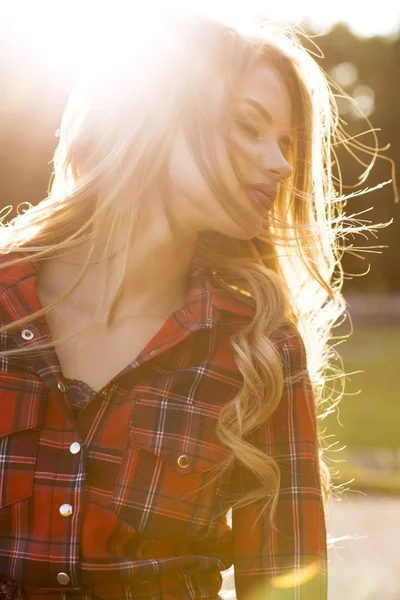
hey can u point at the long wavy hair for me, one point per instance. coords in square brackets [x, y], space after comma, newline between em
[116, 135]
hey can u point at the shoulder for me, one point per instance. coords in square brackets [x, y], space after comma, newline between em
[11, 273]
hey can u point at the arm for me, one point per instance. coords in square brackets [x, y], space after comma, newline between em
[290, 564]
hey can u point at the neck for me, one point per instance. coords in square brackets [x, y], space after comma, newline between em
[156, 282]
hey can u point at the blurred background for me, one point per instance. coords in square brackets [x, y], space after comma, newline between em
[42, 44]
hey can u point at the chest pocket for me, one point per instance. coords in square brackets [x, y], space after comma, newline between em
[21, 409]
[166, 487]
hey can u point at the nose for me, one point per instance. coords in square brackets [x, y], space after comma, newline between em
[276, 164]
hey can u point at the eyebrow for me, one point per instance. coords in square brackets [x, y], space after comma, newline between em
[267, 117]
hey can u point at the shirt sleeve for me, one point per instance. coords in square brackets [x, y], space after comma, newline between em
[289, 563]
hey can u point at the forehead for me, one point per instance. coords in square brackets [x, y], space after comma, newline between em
[266, 85]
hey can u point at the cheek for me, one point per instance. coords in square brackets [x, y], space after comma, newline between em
[186, 177]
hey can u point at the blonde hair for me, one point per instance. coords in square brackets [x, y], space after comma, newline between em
[115, 135]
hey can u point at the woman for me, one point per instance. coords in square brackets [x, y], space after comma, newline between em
[158, 310]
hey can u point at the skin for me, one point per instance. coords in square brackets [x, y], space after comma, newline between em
[160, 262]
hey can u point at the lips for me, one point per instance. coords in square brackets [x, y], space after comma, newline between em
[265, 188]
[264, 193]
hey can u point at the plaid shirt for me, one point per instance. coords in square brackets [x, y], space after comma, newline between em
[107, 504]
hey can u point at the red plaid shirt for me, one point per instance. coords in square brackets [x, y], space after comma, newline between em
[107, 504]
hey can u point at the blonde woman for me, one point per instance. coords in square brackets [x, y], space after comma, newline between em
[164, 319]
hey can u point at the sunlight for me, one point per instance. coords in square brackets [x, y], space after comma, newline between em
[295, 578]
[63, 33]
[68, 35]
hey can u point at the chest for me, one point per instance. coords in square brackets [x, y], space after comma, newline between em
[93, 353]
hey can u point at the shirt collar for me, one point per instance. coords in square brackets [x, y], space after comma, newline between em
[205, 300]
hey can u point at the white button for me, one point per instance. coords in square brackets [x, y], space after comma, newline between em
[183, 461]
[27, 334]
[61, 386]
[63, 578]
[75, 447]
[65, 510]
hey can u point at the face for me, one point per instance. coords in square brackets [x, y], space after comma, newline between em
[260, 119]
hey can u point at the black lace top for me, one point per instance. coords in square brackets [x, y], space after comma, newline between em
[79, 393]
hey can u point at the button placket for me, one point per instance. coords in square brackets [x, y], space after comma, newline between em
[66, 510]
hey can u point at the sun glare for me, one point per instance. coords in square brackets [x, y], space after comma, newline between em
[66, 36]
[64, 33]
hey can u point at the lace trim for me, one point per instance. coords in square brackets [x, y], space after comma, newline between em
[79, 393]
[79, 383]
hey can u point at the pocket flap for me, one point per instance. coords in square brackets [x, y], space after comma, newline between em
[21, 403]
[182, 435]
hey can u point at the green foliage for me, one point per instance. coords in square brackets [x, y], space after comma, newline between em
[371, 417]
[363, 433]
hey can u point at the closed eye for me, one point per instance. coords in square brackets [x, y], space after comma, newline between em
[285, 139]
[245, 125]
